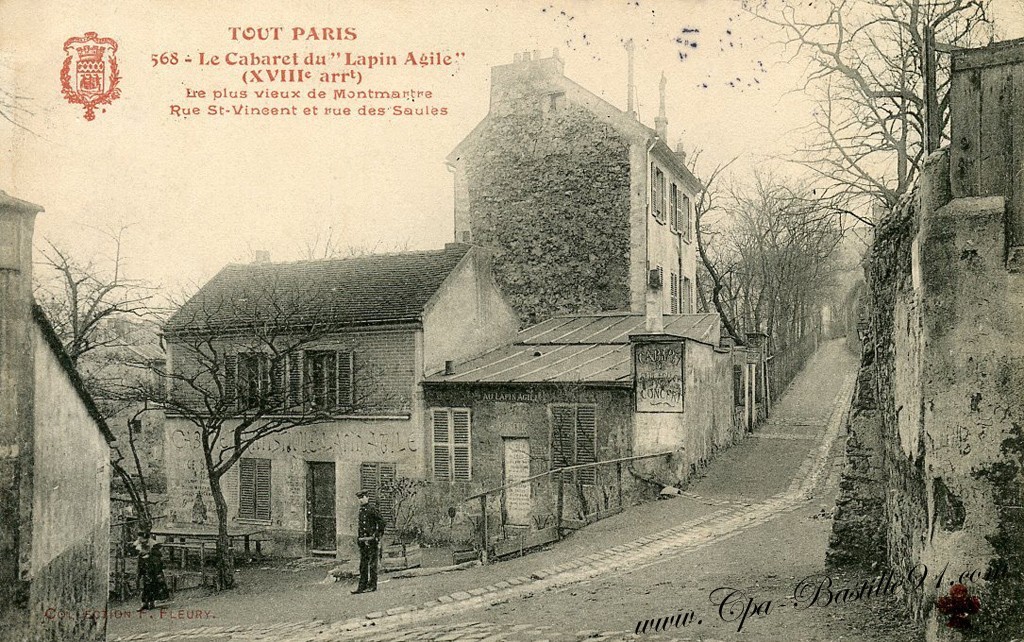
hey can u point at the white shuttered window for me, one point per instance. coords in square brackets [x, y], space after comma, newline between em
[451, 436]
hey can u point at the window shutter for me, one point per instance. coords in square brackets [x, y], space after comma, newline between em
[562, 428]
[686, 216]
[368, 478]
[230, 385]
[654, 191]
[386, 490]
[586, 446]
[262, 510]
[346, 376]
[246, 489]
[662, 196]
[673, 207]
[277, 383]
[295, 380]
[442, 440]
[229, 484]
[461, 445]
[378, 479]
[330, 373]
[674, 293]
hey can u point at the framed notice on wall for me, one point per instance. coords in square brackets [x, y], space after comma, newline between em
[658, 376]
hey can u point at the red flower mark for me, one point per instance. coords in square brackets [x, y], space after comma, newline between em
[958, 606]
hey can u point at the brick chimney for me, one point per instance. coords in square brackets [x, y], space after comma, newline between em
[681, 152]
[525, 81]
[17, 382]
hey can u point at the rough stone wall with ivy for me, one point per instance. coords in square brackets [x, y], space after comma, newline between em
[936, 446]
[883, 504]
[548, 193]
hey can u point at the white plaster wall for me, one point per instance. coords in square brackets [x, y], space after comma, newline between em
[467, 317]
[71, 485]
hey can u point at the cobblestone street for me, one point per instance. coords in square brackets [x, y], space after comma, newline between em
[756, 523]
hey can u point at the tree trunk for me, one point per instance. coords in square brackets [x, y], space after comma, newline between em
[225, 561]
[138, 502]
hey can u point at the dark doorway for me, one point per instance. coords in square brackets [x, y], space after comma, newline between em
[320, 493]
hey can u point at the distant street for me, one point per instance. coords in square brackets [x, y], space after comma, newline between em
[752, 527]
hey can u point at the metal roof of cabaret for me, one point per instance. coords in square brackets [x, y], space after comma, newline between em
[591, 349]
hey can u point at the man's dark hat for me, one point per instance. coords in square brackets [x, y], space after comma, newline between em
[362, 493]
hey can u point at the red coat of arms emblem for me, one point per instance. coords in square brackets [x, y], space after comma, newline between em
[89, 76]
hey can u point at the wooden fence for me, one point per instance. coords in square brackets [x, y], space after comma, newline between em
[783, 366]
[987, 128]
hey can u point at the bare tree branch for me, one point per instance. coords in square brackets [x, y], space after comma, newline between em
[866, 69]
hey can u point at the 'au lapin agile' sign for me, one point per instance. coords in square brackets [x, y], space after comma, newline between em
[658, 371]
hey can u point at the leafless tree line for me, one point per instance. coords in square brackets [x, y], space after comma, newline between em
[866, 69]
[768, 254]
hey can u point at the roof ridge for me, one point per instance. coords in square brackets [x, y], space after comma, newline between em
[343, 259]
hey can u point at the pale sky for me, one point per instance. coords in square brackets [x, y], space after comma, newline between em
[205, 191]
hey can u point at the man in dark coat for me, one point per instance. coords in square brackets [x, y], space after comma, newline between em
[371, 529]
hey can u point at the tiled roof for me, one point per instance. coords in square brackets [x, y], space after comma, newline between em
[590, 349]
[378, 288]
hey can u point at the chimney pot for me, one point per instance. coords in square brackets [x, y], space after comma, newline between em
[681, 152]
[261, 256]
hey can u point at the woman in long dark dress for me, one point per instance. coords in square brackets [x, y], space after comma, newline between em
[151, 570]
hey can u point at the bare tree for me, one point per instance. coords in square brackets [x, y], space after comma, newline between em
[773, 258]
[13, 106]
[710, 280]
[324, 243]
[85, 300]
[867, 70]
[239, 372]
[80, 296]
[134, 481]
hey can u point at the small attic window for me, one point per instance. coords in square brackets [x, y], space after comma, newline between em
[553, 102]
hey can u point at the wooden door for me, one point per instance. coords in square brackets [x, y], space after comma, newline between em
[320, 498]
[517, 466]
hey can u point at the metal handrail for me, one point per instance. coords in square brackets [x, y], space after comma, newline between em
[566, 468]
[557, 472]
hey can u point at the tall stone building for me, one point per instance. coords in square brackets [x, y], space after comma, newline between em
[585, 208]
